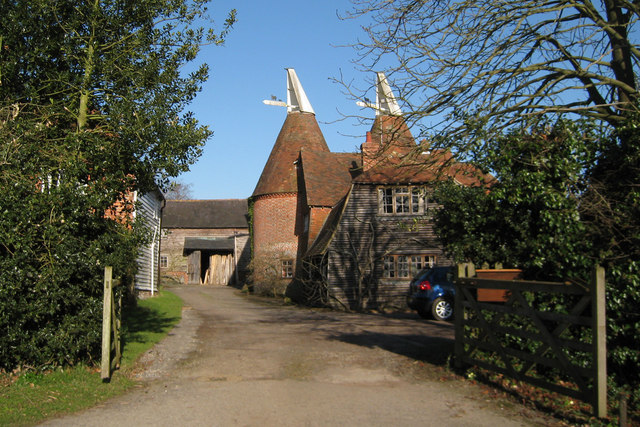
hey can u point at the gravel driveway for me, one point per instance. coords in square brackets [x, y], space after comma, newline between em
[237, 360]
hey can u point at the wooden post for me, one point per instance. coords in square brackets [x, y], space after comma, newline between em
[622, 420]
[599, 342]
[105, 370]
[462, 270]
[236, 281]
[117, 325]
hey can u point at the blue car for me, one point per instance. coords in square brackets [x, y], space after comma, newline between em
[431, 293]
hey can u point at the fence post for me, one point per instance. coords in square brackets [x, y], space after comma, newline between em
[105, 370]
[599, 341]
[462, 270]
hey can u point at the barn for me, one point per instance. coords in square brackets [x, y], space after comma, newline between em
[205, 242]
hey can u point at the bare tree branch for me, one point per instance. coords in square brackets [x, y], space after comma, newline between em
[501, 61]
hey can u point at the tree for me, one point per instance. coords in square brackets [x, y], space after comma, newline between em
[566, 198]
[531, 216]
[178, 191]
[92, 107]
[500, 63]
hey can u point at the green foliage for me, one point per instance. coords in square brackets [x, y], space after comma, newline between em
[529, 218]
[55, 241]
[566, 198]
[611, 211]
[92, 108]
[32, 396]
[623, 322]
[611, 208]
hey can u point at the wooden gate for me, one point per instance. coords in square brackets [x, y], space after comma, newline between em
[567, 340]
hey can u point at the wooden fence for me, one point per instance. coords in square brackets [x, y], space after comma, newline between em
[569, 341]
[111, 353]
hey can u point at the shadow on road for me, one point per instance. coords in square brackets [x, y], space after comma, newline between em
[433, 350]
[139, 322]
[402, 333]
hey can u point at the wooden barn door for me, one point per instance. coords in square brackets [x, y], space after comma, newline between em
[193, 268]
[220, 271]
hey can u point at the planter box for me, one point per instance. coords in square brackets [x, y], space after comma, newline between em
[496, 295]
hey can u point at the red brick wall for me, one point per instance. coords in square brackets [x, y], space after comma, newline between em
[318, 217]
[122, 210]
[274, 219]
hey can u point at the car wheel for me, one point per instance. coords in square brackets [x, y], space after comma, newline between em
[442, 309]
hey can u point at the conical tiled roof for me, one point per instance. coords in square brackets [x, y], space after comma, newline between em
[299, 131]
[392, 132]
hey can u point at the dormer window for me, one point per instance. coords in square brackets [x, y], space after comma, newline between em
[402, 200]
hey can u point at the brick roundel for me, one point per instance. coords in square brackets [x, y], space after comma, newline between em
[274, 219]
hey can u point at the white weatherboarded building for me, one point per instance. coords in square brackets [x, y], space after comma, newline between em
[149, 207]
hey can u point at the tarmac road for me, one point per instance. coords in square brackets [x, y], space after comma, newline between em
[240, 361]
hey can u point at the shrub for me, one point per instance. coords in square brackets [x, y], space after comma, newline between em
[265, 275]
[53, 252]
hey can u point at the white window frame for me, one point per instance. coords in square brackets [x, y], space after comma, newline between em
[402, 200]
[287, 268]
[405, 266]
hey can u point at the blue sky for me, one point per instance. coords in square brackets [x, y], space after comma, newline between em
[269, 37]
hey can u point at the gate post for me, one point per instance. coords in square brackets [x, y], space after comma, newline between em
[105, 369]
[461, 271]
[599, 342]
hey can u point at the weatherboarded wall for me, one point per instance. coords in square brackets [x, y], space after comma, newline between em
[149, 207]
[361, 242]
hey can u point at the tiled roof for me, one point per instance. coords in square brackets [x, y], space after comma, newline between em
[392, 130]
[388, 142]
[327, 176]
[423, 168]
[300, 130]
[229, 213]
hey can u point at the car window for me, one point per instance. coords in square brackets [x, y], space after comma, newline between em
[423, 275]
[439, 274]
[442, 274]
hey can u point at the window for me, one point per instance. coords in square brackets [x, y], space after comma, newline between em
[287, 268]
[406, 266]
[389, 267]
[404, 200]
[403, 265]
[164, 261]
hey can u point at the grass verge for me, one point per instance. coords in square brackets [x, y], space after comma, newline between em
[31, 397]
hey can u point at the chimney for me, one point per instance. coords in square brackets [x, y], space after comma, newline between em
[369, 151]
